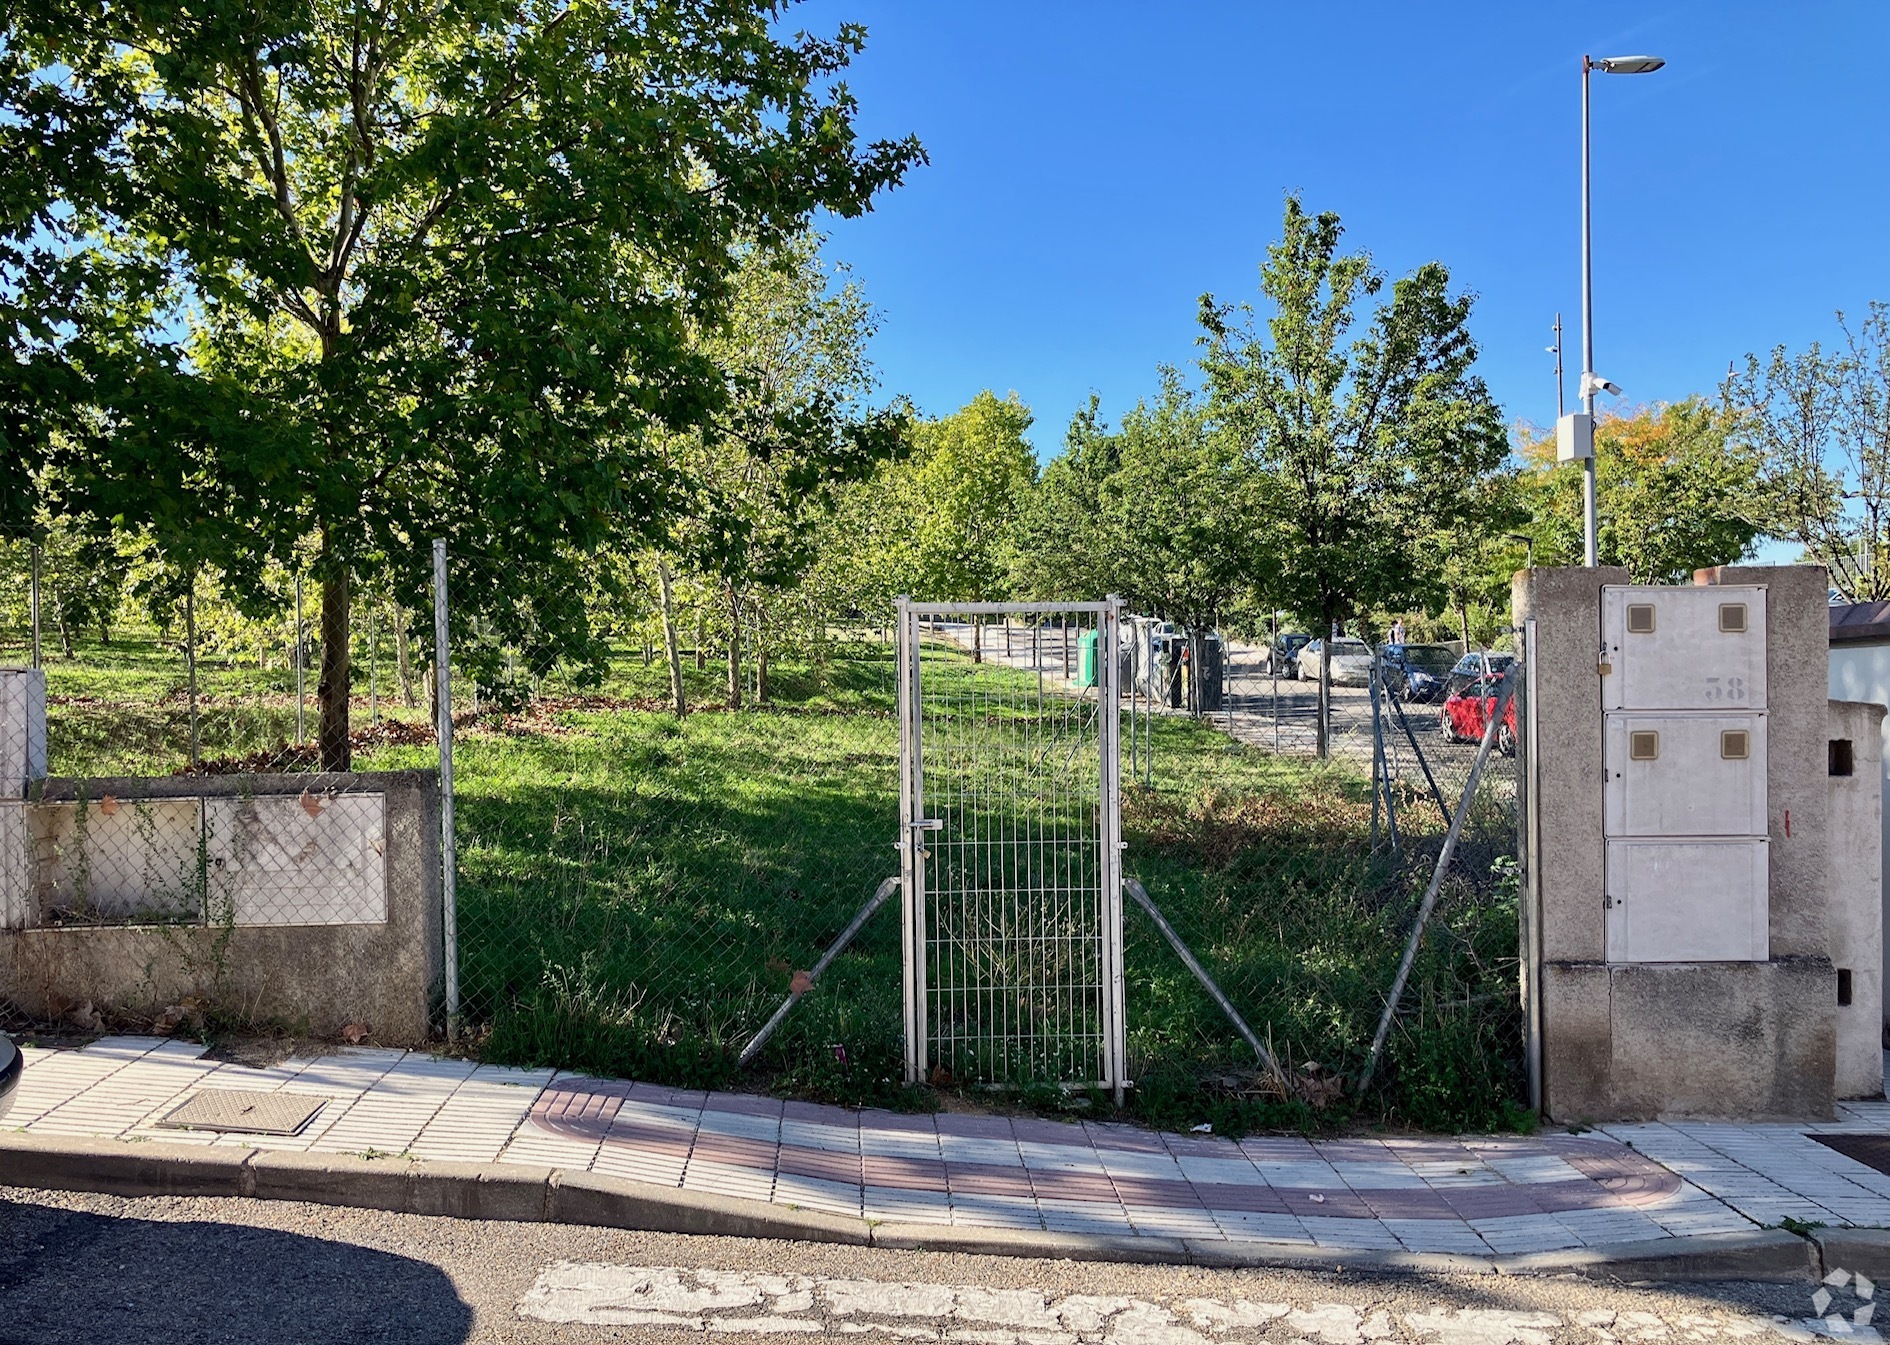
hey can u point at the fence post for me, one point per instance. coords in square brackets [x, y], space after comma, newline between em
[443, 697]
[190, 661]
[35, 605]
[1273, 666]
[373, 695]
[299, 722]
[1109, 725]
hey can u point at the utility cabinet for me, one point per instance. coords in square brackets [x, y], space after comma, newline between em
[1685, 812]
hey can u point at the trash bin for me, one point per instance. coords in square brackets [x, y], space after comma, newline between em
[1086, 658]
[1207, 671]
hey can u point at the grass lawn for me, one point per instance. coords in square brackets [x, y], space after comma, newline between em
[635, 891]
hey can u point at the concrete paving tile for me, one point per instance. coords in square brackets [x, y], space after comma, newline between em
[984, 1211]
[1238, 1171]
[1166, 1222]
[898, 1204]
[1245, 1227]
[1363, 1233]
[1436, 1235]
[1059, 1157]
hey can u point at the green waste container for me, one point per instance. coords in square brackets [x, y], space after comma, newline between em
[1086, 658]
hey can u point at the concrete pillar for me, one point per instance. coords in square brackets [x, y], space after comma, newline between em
[22, 730]
[1630, 1041]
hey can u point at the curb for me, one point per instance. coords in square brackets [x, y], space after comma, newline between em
[525, 1194]
[1763, 1254]
[1864, 1251]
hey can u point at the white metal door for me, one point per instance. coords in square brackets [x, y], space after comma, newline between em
[1011, 842]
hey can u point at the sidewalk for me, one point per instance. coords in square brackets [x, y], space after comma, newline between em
[1474, 1196]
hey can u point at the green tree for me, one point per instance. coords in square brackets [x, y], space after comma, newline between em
[1160, 513]
[763, 476]
[1820, 424]
[439, 266]
[1364, 450]
[1062, 550]
[1673, 494]
[941, 523]
[1476, 554]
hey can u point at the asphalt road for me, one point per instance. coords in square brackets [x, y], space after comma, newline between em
[96, 1269]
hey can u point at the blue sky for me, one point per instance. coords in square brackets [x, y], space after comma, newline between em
[1096, 167]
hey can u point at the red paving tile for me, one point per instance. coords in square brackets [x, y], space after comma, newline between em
[828, 1166]
[1327, 1204]
[987, 1179]
[913, 1174]
[1052, 1185]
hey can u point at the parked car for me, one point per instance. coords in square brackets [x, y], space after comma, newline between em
[1351, 662]
[1470, 698]
[1416, 673]
[1287, 652]
[11, 1066]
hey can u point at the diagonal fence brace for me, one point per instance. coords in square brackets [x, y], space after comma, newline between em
[1505, 693]
[1142, 899]
[886, 888]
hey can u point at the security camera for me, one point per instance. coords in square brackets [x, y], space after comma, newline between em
[1596, 383]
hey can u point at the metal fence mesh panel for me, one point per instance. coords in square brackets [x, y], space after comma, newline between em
[1020, 933]
[638, 890]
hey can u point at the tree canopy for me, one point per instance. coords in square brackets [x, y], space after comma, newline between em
[1820, 423]
[1366, 448]
[1673, 493]
[343, 274]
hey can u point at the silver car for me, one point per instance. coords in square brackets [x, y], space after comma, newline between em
[1351, 662]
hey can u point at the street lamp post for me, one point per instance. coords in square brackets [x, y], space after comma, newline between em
[1608, 65]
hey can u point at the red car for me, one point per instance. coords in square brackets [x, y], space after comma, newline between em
[1470, 696]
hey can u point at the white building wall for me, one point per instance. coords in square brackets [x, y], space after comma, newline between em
[1860, 671]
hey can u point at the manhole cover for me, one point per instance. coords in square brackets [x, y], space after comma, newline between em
[244, 1113]
[1870, 1150]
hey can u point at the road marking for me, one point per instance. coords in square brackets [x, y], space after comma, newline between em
[733, 1302]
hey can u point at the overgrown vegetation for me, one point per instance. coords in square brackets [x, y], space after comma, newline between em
[636, 892]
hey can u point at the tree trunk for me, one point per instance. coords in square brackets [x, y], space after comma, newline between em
[702, 657]
[977, 638]
[1463, 614]
[65, 631]
[734, 649]
[331, 693]
[403, 658]
[672, 651]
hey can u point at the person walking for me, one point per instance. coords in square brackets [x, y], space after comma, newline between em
[1397, 631]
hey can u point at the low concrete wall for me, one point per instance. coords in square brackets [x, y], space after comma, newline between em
[322, 895]
[1856, 875]
[1652, 1040]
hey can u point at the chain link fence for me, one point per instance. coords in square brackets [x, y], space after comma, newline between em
[652, 845]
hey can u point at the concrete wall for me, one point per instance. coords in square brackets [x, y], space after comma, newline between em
[1856, 868]
[323, 906]
[1860, 671]
[22, 729]
[1634, 1041]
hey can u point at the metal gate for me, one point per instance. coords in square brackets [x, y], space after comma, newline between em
[1010, 842]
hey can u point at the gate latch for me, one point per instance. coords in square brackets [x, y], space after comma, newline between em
[926, 824]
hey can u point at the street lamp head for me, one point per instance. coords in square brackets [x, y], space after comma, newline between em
[1629, 65]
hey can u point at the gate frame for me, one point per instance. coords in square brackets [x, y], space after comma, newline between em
[912, 822]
